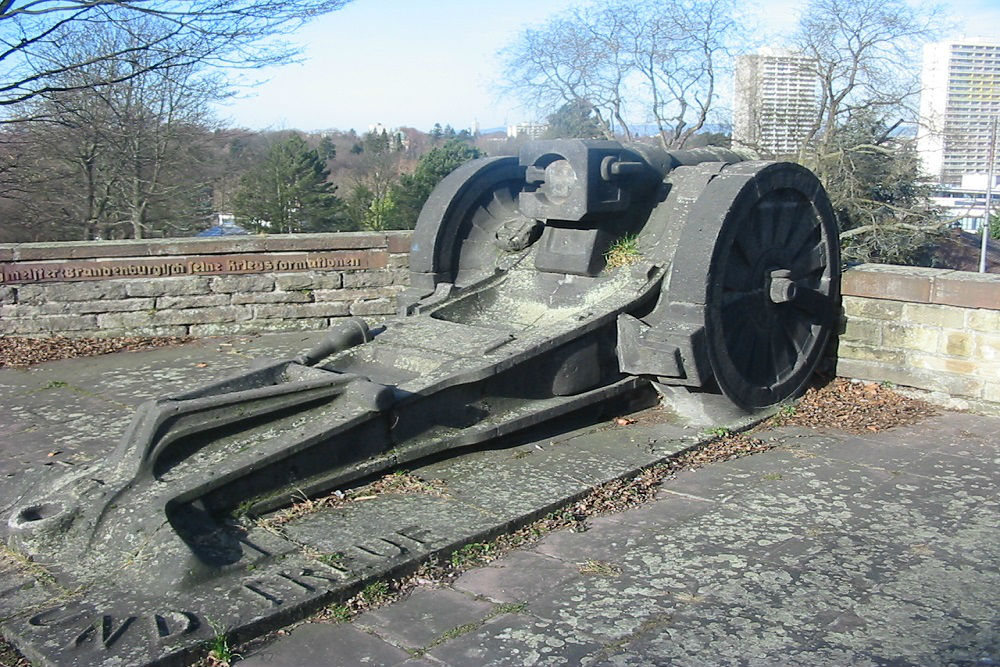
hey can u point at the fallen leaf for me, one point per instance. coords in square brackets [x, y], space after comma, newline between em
[201, 365]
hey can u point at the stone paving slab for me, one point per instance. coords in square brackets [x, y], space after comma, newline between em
[805, 555]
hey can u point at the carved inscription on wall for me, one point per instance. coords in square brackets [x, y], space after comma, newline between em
[206, 265]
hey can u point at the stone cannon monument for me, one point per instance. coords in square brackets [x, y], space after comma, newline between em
[543, 284]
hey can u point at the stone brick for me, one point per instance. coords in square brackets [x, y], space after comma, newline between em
[882, 281]
[910, 337]
[399, 242]
[943, 364]
[375, 307]
[278, 296]
[875, 309]
[329, 241]
[849, 350]
[946, 317]
[982, 319]
[991, 391]
[368, 278]
[247, 283]
[958, 385]
[256, 326]
[988, 370]
[175, 330]
[868, 332]
[399, 262]
[964, 288]
[7, 294]
[168, 286]
[988, 347]
[49, 324]
[300, 281]
[76, 307]
[6, 253]
[354, 294]
[325, 309]
[168, 317]
[957, 343]
[88, 291]
[196, 301]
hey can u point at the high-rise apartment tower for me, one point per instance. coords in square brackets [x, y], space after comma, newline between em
[775, 101]
[960, 95]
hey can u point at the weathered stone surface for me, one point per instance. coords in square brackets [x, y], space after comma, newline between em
[424, 616]
[341, 645]
[48, 324]
[868, 332]
[167, 317]
[910, 337]
[970, 290]
[399, 242]
[308, 281]
[245, 283]
[168, 286]
[196, 301]
[335, 241]
[354, 294]
[76, 307]
[92, 291]
[368, 278]
[934, 315]
[910, 377]
[258, 326]
[875, 309]
[294, 311]
[882, 281]
[399, 262]
[957, 343]
[6, 294]
[984, 320]
[850, 350]
[373, 307]
[278, 296]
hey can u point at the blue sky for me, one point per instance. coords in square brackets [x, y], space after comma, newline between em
[418, 62]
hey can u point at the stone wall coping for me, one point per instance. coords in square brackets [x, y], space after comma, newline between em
[917, 284]
[393, 241]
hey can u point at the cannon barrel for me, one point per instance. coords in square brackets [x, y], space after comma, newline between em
[541, 284]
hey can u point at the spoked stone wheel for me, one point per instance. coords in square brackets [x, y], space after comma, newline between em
[456, 236]
[772, 285]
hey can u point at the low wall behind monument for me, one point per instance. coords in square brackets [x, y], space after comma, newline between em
[933, 329]
[199, 286]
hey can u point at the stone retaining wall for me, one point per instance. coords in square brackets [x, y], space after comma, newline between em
[212, 286]
[933, 329]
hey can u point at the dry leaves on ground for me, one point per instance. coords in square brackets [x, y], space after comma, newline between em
[856, 406]
[21, 352]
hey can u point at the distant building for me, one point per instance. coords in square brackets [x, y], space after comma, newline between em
[960, 94]
[775, 101]
[966, 203]
[529, 130]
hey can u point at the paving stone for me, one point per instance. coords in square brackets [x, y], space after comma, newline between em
[514, 640]
[423, 616]
[341, 645]
[606, 537]
[516, 577]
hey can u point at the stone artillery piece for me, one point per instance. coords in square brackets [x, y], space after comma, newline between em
[513, 317]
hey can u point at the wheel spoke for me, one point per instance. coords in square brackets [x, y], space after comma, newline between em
[811, 301]
[810, 261]
[789, 221]
[737, 276]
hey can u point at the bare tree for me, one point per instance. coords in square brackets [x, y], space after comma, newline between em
[228, 33]
[863, 53]
[659, 59]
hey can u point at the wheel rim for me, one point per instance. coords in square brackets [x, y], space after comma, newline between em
[772, 289]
